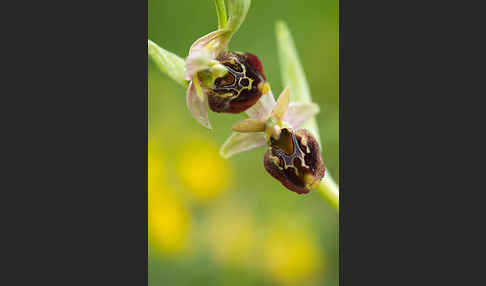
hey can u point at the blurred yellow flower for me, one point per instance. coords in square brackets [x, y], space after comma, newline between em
[169, 222]
[155, 173]
[231, 235]
[156, 170]
[203, 171]
[291, 256]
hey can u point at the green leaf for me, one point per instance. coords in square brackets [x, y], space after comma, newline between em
[169, 63]
[293, 74]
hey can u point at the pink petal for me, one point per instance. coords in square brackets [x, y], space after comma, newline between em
[220, 35]
[300, 112]
[198, 108]
[263, 107]
[200, 48]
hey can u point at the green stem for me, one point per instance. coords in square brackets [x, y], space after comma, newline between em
[330, 191]
[221, 11]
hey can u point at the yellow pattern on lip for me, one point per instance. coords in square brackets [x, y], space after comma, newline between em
[232, 81]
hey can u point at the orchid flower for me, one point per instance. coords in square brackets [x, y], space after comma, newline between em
[294, 157]
[229, 82]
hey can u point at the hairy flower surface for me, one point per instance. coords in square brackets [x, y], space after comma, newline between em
[241, 87]
[295, 160]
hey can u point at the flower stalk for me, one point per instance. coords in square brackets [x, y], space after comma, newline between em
[329, 191]
[221, 12]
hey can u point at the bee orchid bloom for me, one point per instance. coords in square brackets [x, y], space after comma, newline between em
[294, 156]
[295, 160]
[229, 82]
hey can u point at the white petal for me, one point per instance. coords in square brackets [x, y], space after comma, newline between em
[240, 142]
[198, 108]
[300, 112]
[263, 107]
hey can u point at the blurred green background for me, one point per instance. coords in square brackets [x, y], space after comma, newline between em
[227, 222]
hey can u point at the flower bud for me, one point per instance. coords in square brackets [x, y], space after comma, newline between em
[295, 160]
[240, 87]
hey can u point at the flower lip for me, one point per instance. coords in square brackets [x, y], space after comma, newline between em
[288, 149]
[256, 63]
[300, 170]
[286, 144]
[240, 88]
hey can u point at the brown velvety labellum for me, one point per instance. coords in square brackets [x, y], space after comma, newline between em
[256, 63]
[301, 167]
[241, 87]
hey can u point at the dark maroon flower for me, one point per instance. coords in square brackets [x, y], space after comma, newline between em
[295, 160]
[241, 87]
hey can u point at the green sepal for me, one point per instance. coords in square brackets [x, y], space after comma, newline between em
[169, 63]
[237, 10]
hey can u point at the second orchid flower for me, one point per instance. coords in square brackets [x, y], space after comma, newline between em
[294, 156]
